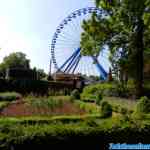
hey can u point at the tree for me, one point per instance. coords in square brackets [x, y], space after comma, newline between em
[41, 74]
[124, 31]
[14, 60]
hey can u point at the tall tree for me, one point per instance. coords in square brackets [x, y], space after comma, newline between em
[124, 31]
[14, 60]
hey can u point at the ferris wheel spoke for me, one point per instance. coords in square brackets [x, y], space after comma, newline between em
[66, 41]
[75, 28]
[66, 33]
[66, 45]
[64, 37]
[69, 33]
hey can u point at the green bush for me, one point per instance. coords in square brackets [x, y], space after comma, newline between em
[75, 94]
[106, 109]
[99, 98]
[123, 110]
[89, 108]
[108, 89]
[90, 136]
[3, 104]
[9, 96]
[90, 93]
[143, 106]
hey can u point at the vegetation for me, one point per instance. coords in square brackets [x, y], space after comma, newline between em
[121, 103]
[106, 109]
[92, 92]
[99, 98]
[14, 60]
[44, 103]
[3, 104]
[143, 105]
[75, 94]
[88, 107]
[103, 113]
[125, 32]
[9, 96]
[86, 131]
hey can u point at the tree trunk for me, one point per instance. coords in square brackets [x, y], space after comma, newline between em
[139, 55]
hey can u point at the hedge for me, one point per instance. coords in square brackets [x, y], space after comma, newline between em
[26, 86]
[9, 96]
[70, 136]
[91, 92]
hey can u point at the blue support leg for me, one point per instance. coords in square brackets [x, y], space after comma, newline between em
[102, 71]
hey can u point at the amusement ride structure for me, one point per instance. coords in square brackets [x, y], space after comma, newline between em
[66, 50]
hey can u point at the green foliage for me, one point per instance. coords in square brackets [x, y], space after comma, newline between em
[122, 90]
[25, 86]
[106, 109]
[123, 111]
[40, 73]
[143, 105]
[88, 107]
[75, 94]
[89, 133]
[44, 103]
[99, 98]
[14, 60]
[121, 105]
[3, 104]
[90, 93]
[124, 28]
[9, 96]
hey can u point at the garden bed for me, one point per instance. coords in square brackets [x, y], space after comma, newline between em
[22, 108]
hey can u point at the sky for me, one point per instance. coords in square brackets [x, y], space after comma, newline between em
[28, 26]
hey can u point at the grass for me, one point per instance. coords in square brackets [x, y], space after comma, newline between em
[119, 103]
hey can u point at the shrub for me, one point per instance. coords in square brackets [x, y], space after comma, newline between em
[108, 89]
[9, 96]
[91, 109]
[91, 92]
[106, 109]
[99, 98]
[143, 106]
[123, 110]
[3, 104]
[75, 94]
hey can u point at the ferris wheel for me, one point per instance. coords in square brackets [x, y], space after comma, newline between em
[66, 50]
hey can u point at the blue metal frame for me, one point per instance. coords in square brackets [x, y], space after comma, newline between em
[74, 59]
[71, 62]
[70, 58]
[102, 71]
[77, 62]
[74, 62]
